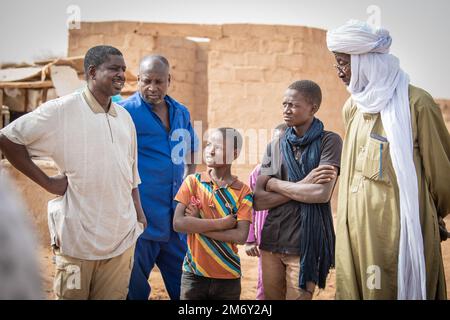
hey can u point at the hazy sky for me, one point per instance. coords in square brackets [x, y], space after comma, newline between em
[420, 29]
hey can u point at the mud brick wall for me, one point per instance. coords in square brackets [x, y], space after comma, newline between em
[35, 198]
[237, 78]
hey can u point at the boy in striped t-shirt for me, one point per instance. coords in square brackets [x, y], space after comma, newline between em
[215, 210]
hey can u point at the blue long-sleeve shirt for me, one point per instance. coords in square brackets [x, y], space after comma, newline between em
[161, 161]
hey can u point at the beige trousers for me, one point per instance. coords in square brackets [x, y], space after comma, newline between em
[78, 279]
[280, 274]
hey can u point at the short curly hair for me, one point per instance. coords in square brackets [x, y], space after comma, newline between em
[310, 90]
[97, 55]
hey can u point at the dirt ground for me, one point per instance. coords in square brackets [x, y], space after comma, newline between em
[249, 275]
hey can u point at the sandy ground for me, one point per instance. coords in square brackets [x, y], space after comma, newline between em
[249, 275]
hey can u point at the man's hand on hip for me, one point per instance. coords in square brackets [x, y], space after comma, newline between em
[57, 184]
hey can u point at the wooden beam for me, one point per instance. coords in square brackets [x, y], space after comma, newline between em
[25, 105]
[44, 95]
[27, 85]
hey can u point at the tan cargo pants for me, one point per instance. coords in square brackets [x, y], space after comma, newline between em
[78, 279]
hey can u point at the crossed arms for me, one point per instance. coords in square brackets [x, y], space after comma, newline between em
[316, 187]
[187, 220]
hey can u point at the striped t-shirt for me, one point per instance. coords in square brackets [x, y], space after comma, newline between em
[205, 256]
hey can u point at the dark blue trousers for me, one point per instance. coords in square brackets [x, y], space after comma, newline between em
[168, 256]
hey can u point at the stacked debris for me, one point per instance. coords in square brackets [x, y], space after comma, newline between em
[24, 87]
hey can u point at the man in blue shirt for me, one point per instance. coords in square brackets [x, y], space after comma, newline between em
[165, 140]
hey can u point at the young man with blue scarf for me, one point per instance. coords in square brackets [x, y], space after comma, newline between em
[298, 174]
[162, 126]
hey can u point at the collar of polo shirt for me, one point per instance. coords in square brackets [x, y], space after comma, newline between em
[205, 177]
[95, 106]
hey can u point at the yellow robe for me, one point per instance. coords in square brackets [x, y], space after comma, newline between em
[368, 217]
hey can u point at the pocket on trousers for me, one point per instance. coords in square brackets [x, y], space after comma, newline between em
[67, 282]
[193, 287]
[126, 268]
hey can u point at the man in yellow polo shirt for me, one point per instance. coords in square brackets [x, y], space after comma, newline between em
[94, 221]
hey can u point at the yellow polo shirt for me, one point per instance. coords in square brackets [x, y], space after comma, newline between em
[95, 219]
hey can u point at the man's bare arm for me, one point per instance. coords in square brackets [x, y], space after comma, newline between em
[263, 200]
[304, 191]
[18, 156]
[137, 204]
